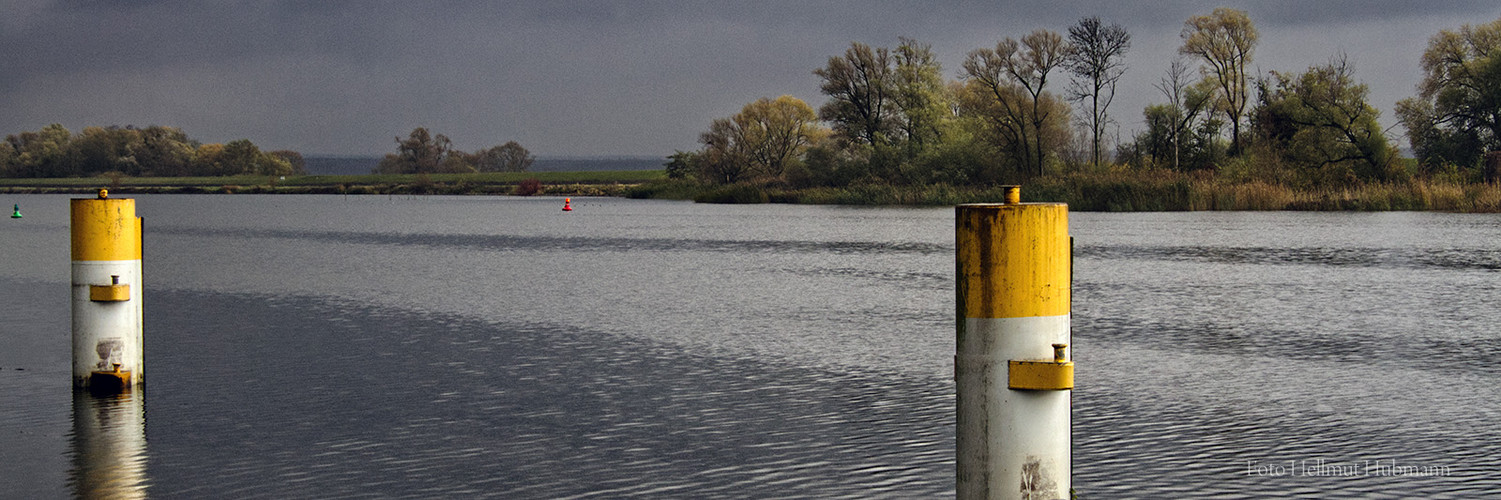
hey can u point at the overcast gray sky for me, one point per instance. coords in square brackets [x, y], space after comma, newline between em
[580, 77]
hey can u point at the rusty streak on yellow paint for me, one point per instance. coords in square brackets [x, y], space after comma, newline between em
[105, 229]
[110, 381]
[1013, 260]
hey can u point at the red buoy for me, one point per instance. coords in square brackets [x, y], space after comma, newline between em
[567, 208]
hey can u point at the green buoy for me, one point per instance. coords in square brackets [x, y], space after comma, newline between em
[17, 213]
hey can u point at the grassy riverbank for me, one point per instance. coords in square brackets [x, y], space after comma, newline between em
[1118, 192]
[1109, 191]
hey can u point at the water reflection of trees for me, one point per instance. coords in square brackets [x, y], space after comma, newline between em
[1394, 258]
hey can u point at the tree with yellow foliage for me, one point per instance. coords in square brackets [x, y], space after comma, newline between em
[1224, 41]
[760, 141]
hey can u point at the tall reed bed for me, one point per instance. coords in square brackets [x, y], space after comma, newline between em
[1114, 190]
[1171, 191]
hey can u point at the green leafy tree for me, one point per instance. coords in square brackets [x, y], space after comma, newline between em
[1097, 62]
[891, 110]
[1224, 41]
[508, 157]
[294, 160]
[777, 131]
[112, 149]
[1173, 140]
[1157, 142]
[41, 154]
[239, 157]
[165, 151]
[7, 159]
[119, 151]
[422, 152]
[998, 121]
[921, 96]
[1457, 114]
[723, 159]
[833, 162]
[208, 160]
[860, 89]
[681, 165]
[269, 164]
[155, 150]
[1320, 120]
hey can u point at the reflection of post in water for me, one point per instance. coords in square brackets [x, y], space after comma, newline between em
[109, 445]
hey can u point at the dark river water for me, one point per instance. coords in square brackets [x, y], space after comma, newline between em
[418, 347]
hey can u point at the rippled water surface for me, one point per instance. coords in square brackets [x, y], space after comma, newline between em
[465, 346]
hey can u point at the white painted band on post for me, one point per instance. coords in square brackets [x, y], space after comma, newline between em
[1025, 448]
[105, 333]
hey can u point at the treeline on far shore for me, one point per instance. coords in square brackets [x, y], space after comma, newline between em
[1033, 109]
[155, 151]
[590, 183]
[158, 151]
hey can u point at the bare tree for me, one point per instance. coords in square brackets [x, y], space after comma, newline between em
[1185, 101]
[421, 152]
[1023, 66]
[1098, 61]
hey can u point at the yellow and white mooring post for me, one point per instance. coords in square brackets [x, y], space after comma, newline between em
[107, 312]
[1012, 371]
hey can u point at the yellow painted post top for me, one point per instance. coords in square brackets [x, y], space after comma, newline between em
[1013, 259]
[105, 229]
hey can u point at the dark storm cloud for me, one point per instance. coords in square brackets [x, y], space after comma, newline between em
[1303, 13]
[572, 77]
